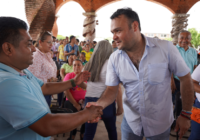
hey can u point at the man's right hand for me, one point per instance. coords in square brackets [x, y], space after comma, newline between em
[94, 112]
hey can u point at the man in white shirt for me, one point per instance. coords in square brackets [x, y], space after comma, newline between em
[144, 66]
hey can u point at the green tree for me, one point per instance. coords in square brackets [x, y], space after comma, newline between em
[169, 39]
[59, 37]
[195, 37]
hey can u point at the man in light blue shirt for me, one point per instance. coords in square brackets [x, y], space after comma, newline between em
[24, 113]
[144, 66]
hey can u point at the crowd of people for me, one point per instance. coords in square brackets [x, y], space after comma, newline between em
[156, 74]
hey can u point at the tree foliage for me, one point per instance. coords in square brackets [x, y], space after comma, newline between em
[195, 37]
[59, 37]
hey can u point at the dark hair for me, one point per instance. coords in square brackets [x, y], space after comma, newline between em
[9, 30]
[78, 60]
[83, 53]
[34, 42]
[94, 42]
[71, 37]
[42, 36]
[77, 40]
[54, 37]
[113, 41]
[129, 13]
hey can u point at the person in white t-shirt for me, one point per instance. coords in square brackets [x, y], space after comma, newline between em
[97, 66]
[195, 122]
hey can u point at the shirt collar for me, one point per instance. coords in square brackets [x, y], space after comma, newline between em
[183, 48]
[9, 69]
[147, 43]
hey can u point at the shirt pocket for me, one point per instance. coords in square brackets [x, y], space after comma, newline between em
[157, 73]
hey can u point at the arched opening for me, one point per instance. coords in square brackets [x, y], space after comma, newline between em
[153, 23]
[70, 19]
[11, 10]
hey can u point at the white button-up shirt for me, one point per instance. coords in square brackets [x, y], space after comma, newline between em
[147, 98]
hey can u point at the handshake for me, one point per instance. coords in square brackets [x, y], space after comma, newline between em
[94, 112]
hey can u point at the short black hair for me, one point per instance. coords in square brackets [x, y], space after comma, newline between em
[129, 13]
[83, 54]
[54, 37]
[71, 37]
[9, 30]
[113, 41]
[77, 40]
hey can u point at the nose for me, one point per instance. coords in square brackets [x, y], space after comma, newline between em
[114, 36]
[33, 49]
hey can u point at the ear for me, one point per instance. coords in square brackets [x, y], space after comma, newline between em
[135, 26]
[8, 48]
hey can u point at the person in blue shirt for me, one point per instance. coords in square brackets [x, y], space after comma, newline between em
[24, 113]
[71, 48]
[144, 66]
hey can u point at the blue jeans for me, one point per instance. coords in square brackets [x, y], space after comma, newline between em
[48, 99]
[195, 127]
[109, 118]
[127, 133]
[60, 98]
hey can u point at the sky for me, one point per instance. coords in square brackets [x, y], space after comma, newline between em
[154, 18]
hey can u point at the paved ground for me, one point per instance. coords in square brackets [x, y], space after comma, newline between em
[101, 133]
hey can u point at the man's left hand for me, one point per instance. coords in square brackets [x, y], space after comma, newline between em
[183, 125]
[81, 77]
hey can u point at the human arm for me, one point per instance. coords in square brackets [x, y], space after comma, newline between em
[57, 56]
[178, 67]
[66, 53]
[83, 85]
[55, 88]
[173, 86]
[119, 102]
[195, 66]
[187, 96]
[69, 96]
[52, 124]
[62, 73]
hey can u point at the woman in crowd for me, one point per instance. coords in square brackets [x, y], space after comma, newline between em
[75, 96]
[43, 66]
[67, 67]
[97, 66]
[87, 52]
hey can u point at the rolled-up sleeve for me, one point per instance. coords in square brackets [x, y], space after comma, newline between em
[112, 78]
[177, 64]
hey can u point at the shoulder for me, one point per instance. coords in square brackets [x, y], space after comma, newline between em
[193, 50]
[69, 76]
